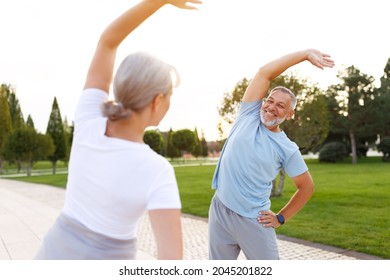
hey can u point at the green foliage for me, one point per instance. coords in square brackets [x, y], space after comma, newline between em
[205, 148]
[55, 129]
[69, 131]
[183, 140]
[30, 122]
[26, 145]
[310, 126]
[14, 109]
[5, 116]
[354, 108]
[383, 102]
[172, 151]
[197, 148]
[155, 141]
[384, 147]
[5, 121]
[332, 152]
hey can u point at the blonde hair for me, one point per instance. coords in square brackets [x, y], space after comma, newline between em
[139, 78]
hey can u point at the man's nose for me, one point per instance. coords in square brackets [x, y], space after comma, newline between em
[271, 107]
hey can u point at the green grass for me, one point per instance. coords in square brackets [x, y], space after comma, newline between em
[350, 208]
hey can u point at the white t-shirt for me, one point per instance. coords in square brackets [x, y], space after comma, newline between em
[111, 181]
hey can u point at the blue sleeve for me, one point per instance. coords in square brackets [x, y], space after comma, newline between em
[295, 165]
[249, 109]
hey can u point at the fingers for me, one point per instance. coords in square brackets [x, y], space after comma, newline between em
[326, 61]
[268, 219]
[320, 60]
[185, 4]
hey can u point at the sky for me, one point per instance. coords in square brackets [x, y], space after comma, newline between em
[46, 47]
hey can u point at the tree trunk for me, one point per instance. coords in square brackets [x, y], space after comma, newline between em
[29, 167]
[277, 188]
[282, 174]
[19, 166]
[353, 146]
[54, 166]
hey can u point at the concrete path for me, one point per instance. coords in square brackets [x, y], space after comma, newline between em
[27, 211]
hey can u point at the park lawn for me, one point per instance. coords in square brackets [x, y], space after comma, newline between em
[349, 209]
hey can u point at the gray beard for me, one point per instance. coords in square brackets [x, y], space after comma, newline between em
[275, 122]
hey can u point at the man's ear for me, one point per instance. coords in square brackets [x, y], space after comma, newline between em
[157, 102]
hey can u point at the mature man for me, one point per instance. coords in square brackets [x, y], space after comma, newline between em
[256, 149]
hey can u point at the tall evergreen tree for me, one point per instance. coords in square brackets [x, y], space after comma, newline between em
[5, 121]
[55, 129]
[17, 119]
[197, 148]
[30, 122]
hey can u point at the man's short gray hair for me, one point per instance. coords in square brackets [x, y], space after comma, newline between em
[289, 92]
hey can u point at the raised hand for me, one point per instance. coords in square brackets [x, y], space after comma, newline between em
[184, 4]
[319, 59]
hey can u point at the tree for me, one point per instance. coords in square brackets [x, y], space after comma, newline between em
[383, 102]
[17, 120]
[5, 121]
[26, 145]
[184, 140]
[155, 140]
[205, 148]
[357, 114]
[197, 148]
[68, 130]
[30, 122]
[55, 129]
[384, 147]
[172, 151]
[309, 127]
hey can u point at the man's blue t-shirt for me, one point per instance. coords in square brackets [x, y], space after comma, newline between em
[250, 160]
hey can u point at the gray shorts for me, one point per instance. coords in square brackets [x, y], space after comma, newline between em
[229, 233]
[70, 240]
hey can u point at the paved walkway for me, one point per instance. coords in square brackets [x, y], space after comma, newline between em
[28, 210]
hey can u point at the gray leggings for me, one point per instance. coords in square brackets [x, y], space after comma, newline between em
[229, 233]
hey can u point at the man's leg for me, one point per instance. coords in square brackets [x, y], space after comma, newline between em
[256, 241]
[222, 244]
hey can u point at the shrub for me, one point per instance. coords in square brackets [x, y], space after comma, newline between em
[384, 147]
[361, 150]
[332, 152]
